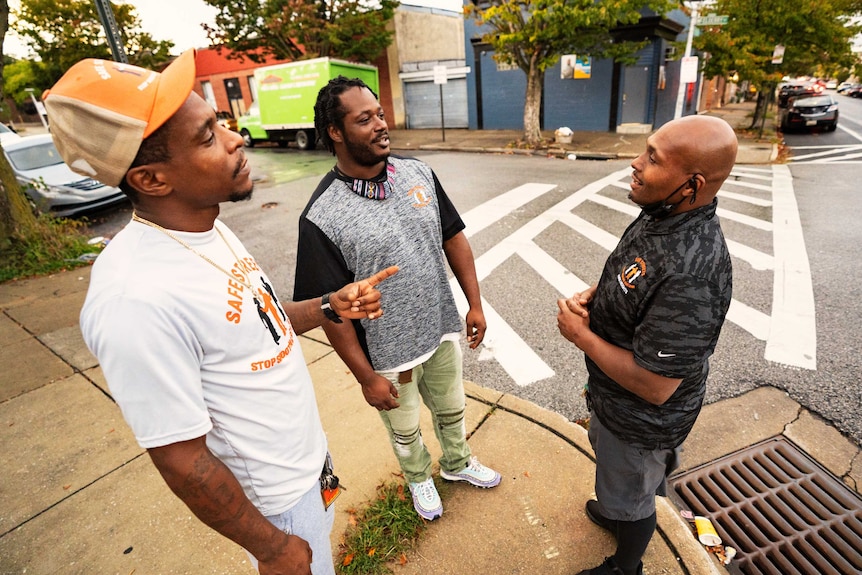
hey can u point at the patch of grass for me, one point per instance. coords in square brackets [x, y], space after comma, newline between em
[54, 244]
[381, 533]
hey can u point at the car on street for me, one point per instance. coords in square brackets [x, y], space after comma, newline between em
[227, 120]
[7, 134]
[854, 91]
[819, 111]
[50, 184]
[794, 89]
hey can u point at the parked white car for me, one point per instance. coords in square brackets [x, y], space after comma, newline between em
[50, 184]
[7, 134]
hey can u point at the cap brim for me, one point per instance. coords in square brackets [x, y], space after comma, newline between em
[175, 85]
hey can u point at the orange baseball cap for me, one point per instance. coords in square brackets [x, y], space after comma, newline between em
[100, 111]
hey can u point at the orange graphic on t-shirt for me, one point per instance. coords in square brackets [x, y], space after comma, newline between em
[420, 198]
[267, 305]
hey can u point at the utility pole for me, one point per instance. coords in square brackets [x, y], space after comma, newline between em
[680, 95]
[112, 31]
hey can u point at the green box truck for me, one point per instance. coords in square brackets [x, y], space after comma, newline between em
[284, 110]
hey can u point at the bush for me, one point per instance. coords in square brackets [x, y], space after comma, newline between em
[53, 244]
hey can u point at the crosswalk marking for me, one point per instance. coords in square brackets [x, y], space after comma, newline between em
[792, 334]
[789, 331]
[478, 219]
[552, 271]
[751, 320]
[747, 199]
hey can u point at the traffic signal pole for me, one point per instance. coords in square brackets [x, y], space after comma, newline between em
[112, 31]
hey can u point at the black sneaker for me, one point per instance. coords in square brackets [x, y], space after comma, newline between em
[609, 567]
[592, 509]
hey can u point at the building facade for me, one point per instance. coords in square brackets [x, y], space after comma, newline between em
[582, 93]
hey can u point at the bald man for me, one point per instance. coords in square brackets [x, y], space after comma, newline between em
[648, 327]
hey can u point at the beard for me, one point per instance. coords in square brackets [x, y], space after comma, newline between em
[241, 195]
[363, 154]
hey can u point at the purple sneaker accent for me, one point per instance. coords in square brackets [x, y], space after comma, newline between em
[426, 500]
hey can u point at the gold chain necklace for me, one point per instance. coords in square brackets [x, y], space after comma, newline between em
[168, 233]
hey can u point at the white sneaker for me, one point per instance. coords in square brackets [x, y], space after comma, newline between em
[426, 500]
[475, 474]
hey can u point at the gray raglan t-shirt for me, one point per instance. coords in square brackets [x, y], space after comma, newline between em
[344, 236]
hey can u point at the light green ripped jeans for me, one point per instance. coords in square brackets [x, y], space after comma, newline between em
[439, 383]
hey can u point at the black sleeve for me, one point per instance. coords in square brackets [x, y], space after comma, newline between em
[450, 221]
[680, 327]
[320, 267]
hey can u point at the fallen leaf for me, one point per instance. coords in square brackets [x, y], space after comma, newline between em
[372, 551]
[348, 559]
[401, 495]
[403, 559]
[67, 486]
[526, 474]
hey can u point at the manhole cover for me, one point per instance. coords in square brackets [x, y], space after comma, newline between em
[782, 511]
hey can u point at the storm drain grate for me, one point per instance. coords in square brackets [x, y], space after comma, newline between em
[782, 511]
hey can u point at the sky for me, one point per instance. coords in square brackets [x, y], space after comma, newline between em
[179, 21]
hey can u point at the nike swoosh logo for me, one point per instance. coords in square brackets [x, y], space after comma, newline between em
[663, 354]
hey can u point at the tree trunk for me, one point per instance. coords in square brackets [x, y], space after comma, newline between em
[759, 110]
[535, 81]
[17, 219]
[16, 215]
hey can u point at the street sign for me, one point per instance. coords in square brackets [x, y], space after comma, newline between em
[688, 70]
[440, 76]
[778, 54]
[712, 20]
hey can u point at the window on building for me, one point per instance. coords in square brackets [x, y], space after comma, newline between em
[252, 88]
[209, 95]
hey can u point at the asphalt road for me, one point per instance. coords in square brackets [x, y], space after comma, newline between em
[521, 291]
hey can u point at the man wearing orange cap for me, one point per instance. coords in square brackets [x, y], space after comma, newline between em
[198, 350]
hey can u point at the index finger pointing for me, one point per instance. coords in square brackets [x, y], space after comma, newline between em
[382, 275]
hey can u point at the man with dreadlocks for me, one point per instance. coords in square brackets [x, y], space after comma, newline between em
[373, 208]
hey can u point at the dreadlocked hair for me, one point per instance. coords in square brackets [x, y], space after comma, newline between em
[327, 109]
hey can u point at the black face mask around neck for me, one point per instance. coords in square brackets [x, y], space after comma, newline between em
[662, 209]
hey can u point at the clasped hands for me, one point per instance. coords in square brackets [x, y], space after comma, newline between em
[573, 319]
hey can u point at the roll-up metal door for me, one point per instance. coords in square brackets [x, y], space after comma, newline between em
[423, 104]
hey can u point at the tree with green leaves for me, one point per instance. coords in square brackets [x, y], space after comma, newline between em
[59, 32]
[816, 35]
[62, 32]
[533, 34]
[302, 29]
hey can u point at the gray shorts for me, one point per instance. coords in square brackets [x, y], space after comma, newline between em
[628, 478]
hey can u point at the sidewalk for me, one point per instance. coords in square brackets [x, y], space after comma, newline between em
[78, 496]
[584, 145]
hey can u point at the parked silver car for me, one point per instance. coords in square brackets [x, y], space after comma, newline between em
[50, 184]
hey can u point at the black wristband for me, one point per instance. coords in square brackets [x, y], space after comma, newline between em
[327, 309]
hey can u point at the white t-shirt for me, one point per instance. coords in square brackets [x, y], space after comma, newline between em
[187, 352]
